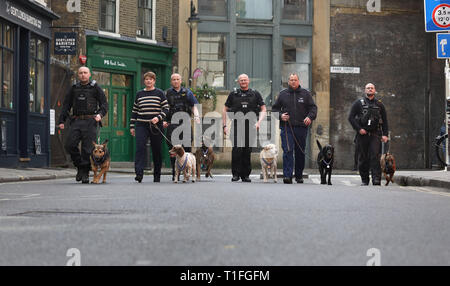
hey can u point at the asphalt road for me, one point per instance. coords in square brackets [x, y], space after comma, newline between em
[216, 222]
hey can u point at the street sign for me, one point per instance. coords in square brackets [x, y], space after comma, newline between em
[437, 15]
[443, 45]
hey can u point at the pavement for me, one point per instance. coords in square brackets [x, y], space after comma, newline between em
[430, 178]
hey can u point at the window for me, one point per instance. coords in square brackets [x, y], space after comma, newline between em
[7, 33]
[37, 74]
[144, 25]
[254, 9]
[296, 59]
[295, 10]
[215, 8]
[108, 15]
[211, 59]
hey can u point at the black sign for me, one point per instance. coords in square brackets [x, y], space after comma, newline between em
[65, 43]
[37, 144]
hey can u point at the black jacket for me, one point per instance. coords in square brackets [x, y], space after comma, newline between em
[298, 103]
[356, 112]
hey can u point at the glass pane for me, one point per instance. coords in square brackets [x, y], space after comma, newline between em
[124, 110]
[148, 4]
[296, 50]
[148, 23]
[105, 122]
[115, 109]
[254, 9]
[216, 8]
[41, 49]
[121, 80]
[32, 85]
[110, 18]
[8, 66]
[294, 10]
[213, 73]
[9, 36]
[102, 78]
[1, 33]
[40, 94]
[32, 47]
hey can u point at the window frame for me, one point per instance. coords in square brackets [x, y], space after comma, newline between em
[115, 16]
[153, 22]
[2, 62]
[224, 60]
[36, 60]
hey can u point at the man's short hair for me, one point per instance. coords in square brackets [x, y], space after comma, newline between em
[296, 74]
[150, 74]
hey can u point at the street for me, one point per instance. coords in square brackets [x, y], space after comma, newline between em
[216, 222]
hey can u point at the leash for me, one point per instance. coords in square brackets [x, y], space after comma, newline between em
[157, 128]
[295, 140]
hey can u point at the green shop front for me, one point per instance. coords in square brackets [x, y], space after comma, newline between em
[118, 67]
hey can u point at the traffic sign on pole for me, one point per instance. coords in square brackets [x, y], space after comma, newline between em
[443, 45]
[437, 15]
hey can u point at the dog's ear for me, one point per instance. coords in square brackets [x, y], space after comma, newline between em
[105, 142]
[93, 143]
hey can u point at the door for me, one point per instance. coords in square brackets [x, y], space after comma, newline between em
[254, 58]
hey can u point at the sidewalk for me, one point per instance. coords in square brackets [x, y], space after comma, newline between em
[430, 178]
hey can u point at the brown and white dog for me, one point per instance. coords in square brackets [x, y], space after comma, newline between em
[387, 163]
[184, 162]
[204, 156]
[100, 159]
[268, 158]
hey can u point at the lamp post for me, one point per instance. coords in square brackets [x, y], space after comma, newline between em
[191, 21]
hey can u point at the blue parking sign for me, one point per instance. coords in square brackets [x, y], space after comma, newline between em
[437, 15]
[443, 45]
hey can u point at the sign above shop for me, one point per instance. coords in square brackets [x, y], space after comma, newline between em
[65, 43]
[112, 63]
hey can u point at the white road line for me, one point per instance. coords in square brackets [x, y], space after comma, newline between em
[315, 181]
[426, 191]
[348, 183]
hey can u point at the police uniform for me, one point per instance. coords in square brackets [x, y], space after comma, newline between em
[369, 115]
[243, 101]
[86, 101]
[179, 101]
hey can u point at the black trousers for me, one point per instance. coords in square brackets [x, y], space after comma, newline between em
[143, 132]
[241, 152]
[84, 130]
[369, 157]
[188, 149]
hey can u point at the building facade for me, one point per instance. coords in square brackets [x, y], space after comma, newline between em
[120, 40]
[25, 40]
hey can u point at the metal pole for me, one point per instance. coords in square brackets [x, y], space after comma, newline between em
[447, 116]
[190, 54]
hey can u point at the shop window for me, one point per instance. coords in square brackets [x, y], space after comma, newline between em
[211, 59]
[145, 16]
[295, 10]
[121, 80]
[215, 8]
[102, 78]
[296, 59]
[254, 9]
[108, 15]
[37, 75]
[6, 65]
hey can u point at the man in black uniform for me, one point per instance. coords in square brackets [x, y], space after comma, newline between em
[180, 99]
[368, 118]
[244, 100]
[89, 105]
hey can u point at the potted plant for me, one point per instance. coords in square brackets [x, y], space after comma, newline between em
[206, 96]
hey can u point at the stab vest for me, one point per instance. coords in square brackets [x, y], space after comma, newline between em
[85, 99]
[178, 101]
[245, 102]
[370, 117]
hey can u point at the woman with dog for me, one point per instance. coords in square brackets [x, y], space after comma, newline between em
[149, 110]
[297, 111]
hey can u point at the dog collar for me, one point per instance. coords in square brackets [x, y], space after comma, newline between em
[205, 153]
[327, 163]
[181, 168]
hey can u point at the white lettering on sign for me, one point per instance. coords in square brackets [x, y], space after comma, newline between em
[13, 11]
[373, 6]
[345, 70]
[73, 6]
[114, 63]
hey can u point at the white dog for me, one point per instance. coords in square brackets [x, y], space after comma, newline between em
[268, 158]
[184, 162]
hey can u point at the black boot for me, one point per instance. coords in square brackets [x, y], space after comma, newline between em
[85, 174]
[138, 178]
[287, 180]
[79, 174]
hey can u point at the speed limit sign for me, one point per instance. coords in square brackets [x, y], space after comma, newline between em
[437, 15]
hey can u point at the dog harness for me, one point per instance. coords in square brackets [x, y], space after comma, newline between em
[267, 163]
[181, 168]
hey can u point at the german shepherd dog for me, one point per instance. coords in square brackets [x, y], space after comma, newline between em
[387, 163]
[100, 159]
[325, 160]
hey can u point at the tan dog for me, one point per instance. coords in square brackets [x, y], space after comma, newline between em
[387, 163]
[184, 162]
[268, 158]
[204, 156]
[100, 159]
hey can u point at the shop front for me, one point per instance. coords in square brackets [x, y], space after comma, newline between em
[25, 36]
[118, 67]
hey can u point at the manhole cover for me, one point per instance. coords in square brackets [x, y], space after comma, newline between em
[61, 212]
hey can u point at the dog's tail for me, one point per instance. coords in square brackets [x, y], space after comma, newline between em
[318, 144]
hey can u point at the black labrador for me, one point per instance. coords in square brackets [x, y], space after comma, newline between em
[325, 160]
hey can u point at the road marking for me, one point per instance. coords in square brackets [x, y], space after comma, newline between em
[425, 190]
[348, 183]
[315, 181]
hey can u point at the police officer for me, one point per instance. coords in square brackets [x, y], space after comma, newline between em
[243, 100]
[297, 111]
[368, 117]
[89, 105]
[180, 99]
